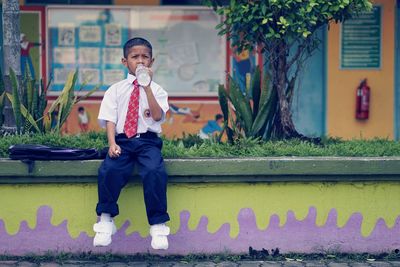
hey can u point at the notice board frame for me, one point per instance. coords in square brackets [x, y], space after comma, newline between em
[379, 10]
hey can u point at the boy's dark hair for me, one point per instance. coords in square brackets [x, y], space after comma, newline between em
[218, 116]
[81, 109]
[136, 42]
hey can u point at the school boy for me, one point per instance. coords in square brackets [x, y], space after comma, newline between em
[132, 132]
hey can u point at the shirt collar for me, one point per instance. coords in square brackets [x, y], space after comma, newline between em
[131, 78]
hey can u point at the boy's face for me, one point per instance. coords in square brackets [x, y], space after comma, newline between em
[137, 55]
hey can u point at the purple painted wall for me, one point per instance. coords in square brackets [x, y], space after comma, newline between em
[294, 236]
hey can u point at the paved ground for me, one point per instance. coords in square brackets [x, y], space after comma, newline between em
[204, 263]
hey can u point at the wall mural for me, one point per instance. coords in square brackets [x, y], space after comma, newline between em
[187, 116]
[213, 218]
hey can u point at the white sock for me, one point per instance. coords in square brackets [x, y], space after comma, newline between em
[105, 217]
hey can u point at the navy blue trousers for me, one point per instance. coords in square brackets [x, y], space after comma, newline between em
[114, 174]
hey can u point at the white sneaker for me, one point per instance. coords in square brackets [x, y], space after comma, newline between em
[104, 231]
[159, 233]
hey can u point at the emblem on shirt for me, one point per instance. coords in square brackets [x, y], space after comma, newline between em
[147, 113]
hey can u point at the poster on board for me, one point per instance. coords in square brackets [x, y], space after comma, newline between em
[361, 41]
[190, 57]
[89, 41]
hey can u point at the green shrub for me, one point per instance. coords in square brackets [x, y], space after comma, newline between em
[30, 108]
[190, 146]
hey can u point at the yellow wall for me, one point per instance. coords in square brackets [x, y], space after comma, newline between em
[341, 85]
[219, 202]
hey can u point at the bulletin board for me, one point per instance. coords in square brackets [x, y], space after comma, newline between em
[190, 57]
[88, 40]
[361, 39]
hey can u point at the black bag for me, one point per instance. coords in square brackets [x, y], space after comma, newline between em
[42, 152]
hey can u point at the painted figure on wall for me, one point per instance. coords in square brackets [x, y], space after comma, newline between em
[83, 119]
[212, 127]
[190, 115]
[26, 46]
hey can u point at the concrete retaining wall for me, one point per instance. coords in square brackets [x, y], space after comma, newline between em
[216, 206]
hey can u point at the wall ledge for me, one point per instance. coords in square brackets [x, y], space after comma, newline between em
[194, 170]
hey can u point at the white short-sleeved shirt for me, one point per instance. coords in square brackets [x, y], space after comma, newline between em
[114, 106]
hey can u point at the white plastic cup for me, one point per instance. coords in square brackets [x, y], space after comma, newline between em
[142, 75]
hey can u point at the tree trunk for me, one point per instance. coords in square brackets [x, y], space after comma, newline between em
[283, 124]
[11, 53]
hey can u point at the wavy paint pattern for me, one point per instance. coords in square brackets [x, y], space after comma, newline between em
[301, 217]
[294, 236]
[220, 203]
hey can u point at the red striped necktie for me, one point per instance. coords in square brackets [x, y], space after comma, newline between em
[132, 115]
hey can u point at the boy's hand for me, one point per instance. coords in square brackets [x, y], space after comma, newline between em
[150, 73]
[114, 151]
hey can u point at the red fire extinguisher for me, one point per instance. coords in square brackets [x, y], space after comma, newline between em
[362, 100]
